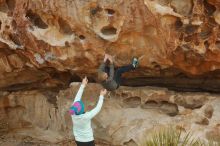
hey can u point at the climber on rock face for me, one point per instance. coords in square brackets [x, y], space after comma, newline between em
[82, 129]
[111, 79]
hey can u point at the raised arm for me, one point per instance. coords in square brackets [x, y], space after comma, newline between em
[79, 93]
[111, 72]
[102, 66]
[98, 107]
[81, 89]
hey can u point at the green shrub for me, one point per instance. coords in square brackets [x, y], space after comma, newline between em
[173, 137]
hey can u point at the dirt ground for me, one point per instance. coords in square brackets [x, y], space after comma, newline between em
[13, 140]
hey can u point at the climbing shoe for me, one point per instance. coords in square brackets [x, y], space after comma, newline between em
[135, 62]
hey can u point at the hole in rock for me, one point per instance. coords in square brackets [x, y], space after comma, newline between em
[191, 102]
[196, 42]
[95, 10]
[206, 43]
[14, 24]
[109, 30]
[205, 32]
[15, 39]
[178, 23]
[123, 94]
[209, 9]
[181, 37]
[131, 142]
[67, 44]
[190, 29]
[75, 78]
[65, 27]
[36, 19]
[110, 11]
[150, 104]
[0, 25]
[217, 44]
[132, 102]
[11, 4]
[24, 5]
[7, 27]
[169, 108]
[188, 38]
[155, 65]
[211, 22]
[82, 37]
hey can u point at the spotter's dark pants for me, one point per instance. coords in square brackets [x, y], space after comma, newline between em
[90, 143]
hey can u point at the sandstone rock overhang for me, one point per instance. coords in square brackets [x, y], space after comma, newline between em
[50, 43]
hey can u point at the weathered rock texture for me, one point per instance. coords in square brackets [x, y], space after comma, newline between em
[128, 116]
[49, 43]
[172, 38]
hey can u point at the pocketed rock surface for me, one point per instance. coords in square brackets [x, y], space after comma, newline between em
[128, 117]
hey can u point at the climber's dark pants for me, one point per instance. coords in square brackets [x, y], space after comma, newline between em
[91, 143]
[120, 71]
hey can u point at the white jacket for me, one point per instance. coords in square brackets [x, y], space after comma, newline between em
[82, 129]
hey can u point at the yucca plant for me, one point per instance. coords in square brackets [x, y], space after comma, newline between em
[173, 137]
[212, 143]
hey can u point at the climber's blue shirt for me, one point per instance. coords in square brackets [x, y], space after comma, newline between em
[82, 129]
